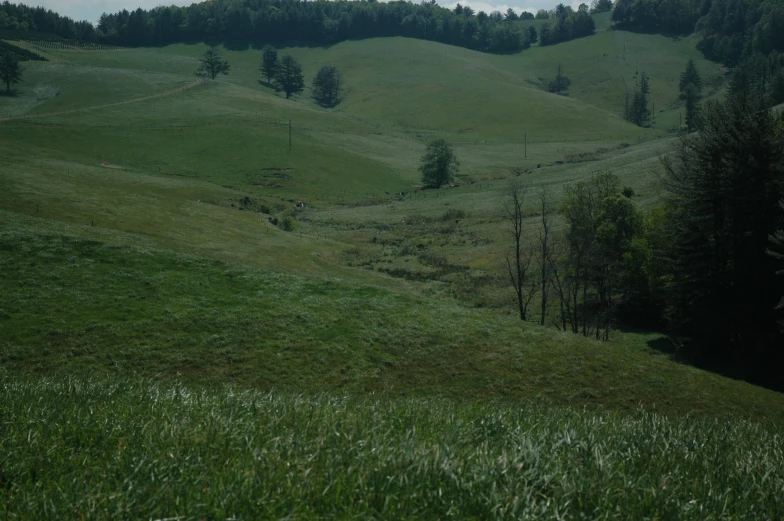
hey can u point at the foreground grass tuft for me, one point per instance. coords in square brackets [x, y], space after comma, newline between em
[139, 449]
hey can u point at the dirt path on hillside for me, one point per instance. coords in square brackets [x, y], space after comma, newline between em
[164, 94]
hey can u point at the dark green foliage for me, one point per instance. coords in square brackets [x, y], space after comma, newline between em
[533, 36]
[690, 76]
[666, 16]
[730, 30]
[212, 64]
[284, 21]
[326, 86]
[289, 77]
[21, 18]
[569, 24]
[269, 62]
[763, 74]
[736, 29]
[595, 275]
[287, 224]
[777, 252]
[21, 54]
[725, 185]
[636, 108]
[10, 70]
[541, 14]
[601, 6]
[439, 164]
[690, 93]
[559, 84]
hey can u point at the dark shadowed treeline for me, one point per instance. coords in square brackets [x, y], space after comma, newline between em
[731, 30]
[298, 22]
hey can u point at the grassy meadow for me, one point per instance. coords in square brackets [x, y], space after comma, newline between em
[167, 352]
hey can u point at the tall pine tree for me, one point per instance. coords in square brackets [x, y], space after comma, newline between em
[725, 184]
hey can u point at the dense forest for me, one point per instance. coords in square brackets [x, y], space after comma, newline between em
[243, 22]
[730, 30]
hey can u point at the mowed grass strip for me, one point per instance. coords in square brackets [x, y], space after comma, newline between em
[133, 448]
[79, 306]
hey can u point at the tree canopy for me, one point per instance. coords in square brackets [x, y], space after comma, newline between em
[243, 22]
[725, 183]
[212, 64]
[439, 164]
[326, 86]
[269, 62]
[10, 70]
[288, 77]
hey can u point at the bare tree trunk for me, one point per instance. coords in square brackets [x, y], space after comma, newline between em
[545, 252]
[517, 266]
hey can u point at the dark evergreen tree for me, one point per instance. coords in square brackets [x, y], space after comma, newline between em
[725, 185]
[439, 164]
[690, 86]
[690, 76]
[289, 77]
[10, 70]
[636, 109]
[269, 62]
[560, 83]
[326, 86]
[212, 64]
[532, 34]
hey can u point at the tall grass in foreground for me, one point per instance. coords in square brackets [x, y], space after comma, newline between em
[138, 449]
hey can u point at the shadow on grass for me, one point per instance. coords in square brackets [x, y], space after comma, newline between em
[760, 368]
[269, 85]
[13, 93]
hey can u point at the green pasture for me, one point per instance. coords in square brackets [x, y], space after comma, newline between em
[138, 154]
[168, 352]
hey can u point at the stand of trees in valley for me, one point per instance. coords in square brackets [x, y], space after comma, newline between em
[703, 265]
[243, 22]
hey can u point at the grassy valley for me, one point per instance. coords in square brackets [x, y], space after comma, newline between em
[167, 351]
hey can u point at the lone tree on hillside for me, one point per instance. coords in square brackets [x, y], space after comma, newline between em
[438, 164]
[326, 86]
[269, 62]
[288, 77]
[560, 83]
[212, 63]
[636, 109]
[691, 93]
[10, 70]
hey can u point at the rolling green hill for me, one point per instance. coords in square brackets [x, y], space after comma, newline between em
[138, 245]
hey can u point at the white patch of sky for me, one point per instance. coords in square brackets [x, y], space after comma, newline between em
[91, 10]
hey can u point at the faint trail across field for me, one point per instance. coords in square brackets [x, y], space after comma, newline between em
[185, 87]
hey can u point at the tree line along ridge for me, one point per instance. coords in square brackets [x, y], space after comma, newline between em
[295, 21]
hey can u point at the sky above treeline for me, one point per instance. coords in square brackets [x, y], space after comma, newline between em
[91, 10]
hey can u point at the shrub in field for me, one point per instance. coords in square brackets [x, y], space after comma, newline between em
[287, 224]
